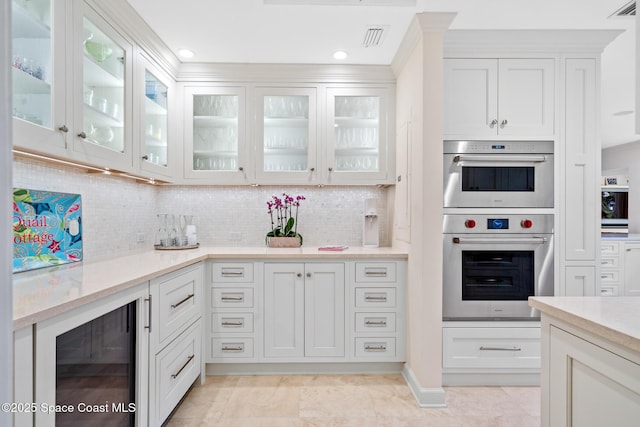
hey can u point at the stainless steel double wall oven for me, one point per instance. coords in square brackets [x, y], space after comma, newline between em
[497, 229]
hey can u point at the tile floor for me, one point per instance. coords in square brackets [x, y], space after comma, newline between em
[348, 400]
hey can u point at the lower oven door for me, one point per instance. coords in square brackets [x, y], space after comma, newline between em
[491, 277]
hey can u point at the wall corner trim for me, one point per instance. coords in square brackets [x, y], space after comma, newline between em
[432, 397]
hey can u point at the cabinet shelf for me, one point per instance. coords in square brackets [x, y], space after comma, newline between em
[288, 122]
[353, 122]
[214, 121]
[356, 151]
[153, 108]
[25, 26]
[216, 153]
[97, 75]
[97, 117]
[25, 83]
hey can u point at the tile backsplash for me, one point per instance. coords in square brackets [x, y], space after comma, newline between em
[119, 212]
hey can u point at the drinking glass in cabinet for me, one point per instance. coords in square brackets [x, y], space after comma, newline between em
[155, 120]
[104, 88]
[31, 61]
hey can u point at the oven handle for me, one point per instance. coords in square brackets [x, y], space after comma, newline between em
[500, 240]
[505, 158]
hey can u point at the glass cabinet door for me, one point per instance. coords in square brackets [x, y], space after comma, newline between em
[356, 134]
[154, 91]
[38, 61]
[106, 61]
[286, 134]
[214, 133]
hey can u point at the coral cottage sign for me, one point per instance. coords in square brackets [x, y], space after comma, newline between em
[47, 229]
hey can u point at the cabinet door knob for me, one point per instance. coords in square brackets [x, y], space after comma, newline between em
[493, 123]
[308, 274]
[299, 275]
[240, 168]
[63, 128]
[145, 157]
[82, 135]
[330, 169]
[503, 123]
[312, 169]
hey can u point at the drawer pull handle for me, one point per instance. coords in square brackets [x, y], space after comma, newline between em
[149, 326]
[377, 298]
[376, 273]
[182, 301]
[232, 299]
[375, 347]
[232, 347]
[375, 322]
[232, 323]
[500, 348]
[229, 273]
[174, 376]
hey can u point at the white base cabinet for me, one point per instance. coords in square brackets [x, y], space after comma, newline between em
[491, 353]
[590, 383]
[619, 268]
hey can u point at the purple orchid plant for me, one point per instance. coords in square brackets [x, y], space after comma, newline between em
[284, 218]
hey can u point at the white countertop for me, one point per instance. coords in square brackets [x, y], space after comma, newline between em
[45, 293]
[616, 319]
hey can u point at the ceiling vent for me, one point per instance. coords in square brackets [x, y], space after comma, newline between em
[373, 35]
[629, 9]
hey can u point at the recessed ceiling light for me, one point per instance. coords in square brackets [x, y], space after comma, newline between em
[340, 54]
[185, 53]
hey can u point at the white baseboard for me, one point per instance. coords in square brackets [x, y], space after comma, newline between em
[506, 379]
[426, 397]
[302, 368]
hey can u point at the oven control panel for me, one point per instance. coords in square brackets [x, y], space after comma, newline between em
[500, 223]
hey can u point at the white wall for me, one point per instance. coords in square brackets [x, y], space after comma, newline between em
[626, 157]
[6, 298]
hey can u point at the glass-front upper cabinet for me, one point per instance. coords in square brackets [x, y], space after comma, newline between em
[103, 121]
[38, 74]
[156, 155]
[357, 140]
[216, 148]
[286, 135]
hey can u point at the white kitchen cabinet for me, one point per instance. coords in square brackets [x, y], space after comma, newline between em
[632, 268]
[377, 311]
[286, 134]
[216, 145]
[488, 98]
[103, 61]
[482, 353]
[156, 150]
[611, 270]
[42, 104]
[304, 310]
[233, 312]
[589, 383]
[175, 356]
[357, 136]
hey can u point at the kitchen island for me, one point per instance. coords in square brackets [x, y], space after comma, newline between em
[590, 360]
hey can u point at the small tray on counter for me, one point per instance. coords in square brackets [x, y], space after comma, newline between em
[176, 248]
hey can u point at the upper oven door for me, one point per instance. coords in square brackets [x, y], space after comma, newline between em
[498, 180]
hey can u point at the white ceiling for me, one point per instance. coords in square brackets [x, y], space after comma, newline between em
[249, 31]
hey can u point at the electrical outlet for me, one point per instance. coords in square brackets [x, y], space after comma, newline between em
[235, 236]
[140, 237]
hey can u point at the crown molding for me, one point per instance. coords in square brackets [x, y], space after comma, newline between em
[474, 42]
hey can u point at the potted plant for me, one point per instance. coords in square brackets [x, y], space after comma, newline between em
[284, 222]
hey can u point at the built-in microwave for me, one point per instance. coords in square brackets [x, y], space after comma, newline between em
[615, 208]
[498, 174]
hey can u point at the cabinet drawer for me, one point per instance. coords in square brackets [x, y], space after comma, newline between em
[382, 348]
[498, 348]
[609, 290]
[231, 322]
[233, 348]
[609, 248]
[375, 322]
[232, 297]
[178, 302]
[608, 276]
[241, 272]
[610, 262]
[375, 297]
[375, 272]
[177, 367]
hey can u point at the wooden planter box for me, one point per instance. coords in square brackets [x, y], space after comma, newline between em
[283, 242]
